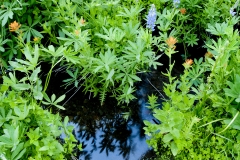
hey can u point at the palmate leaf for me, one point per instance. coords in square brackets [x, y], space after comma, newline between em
[113, 34]
[53, 101]
[21, 115]
[79, 41]
[134, 51]
[105, 62]
[130, 13]
[10, 136]
[7, 15]
[130, 30]
[55, 53]
[71, 56]
[219, 29]
[31, 60]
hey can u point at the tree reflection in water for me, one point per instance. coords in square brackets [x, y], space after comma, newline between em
[105, 133]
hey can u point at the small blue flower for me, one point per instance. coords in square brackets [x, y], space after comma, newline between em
[232, 12]
[176, 3]
[151, 17]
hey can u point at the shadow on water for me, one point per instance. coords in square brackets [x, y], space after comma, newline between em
[103, 131]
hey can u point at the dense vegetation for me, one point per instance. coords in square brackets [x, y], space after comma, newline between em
[103, 45]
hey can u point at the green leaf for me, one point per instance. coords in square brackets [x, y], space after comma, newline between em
[53, 97]
[17, 66]
[34, 75]
[174, 148]
[37, 90]
[109, 77]
[6, 140]
[5, 16]
[176, 133]
[44, 148]
[135, 77]
[27, 54]
[60, 107]
[46, 97]
[35, 33]
[21, 86]
[234, 124]
[97, 69]
[61, 98]
[4, 88]
[20, 154]
[167, 138]
[70, 73]
[65, 122]
[17, 150]
[29, 19]
[234, 91]
[36, 56]
[15, 136]
[47, 103]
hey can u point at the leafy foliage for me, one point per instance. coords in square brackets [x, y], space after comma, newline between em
[200, 120]
[104, 46]
[27, 130]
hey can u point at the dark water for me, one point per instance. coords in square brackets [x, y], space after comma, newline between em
[103, 131]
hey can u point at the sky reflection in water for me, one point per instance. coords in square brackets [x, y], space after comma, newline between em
[105, 134]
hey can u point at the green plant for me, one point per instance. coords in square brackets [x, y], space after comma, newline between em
[104, 51]
[27, 130]
[188, 20]
[200, 120]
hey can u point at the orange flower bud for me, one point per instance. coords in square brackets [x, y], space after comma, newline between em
[171, 41]
[188, 63]
[76, 32]
[183, 10]
[208, 54]
[82, 21]
[14, 26]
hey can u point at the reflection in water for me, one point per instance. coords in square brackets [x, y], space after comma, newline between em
[116, 143]
[102, 130]
[110, 136]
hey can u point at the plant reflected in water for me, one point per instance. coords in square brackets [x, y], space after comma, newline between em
[103, 131]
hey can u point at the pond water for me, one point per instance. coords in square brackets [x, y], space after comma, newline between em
[103, 131]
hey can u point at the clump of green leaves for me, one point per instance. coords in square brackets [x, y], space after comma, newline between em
[189, 19]
[104, 53]
[27, 130]
[201, 118]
